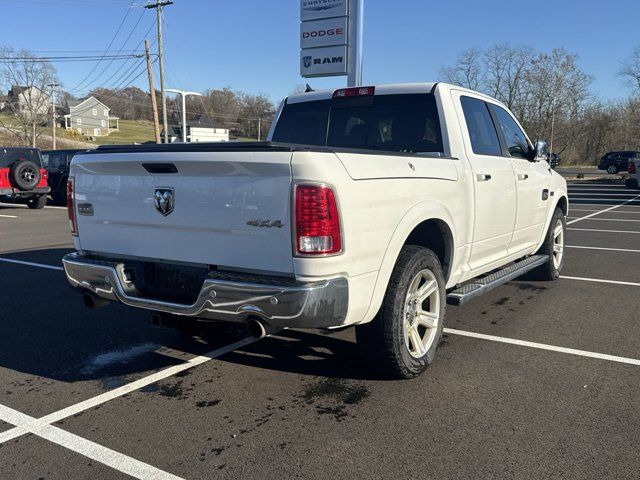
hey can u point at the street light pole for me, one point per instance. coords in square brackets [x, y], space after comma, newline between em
[184, 94]
[53, 111]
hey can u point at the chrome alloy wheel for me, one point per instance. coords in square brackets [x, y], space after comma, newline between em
[558, 244]
[421, 316]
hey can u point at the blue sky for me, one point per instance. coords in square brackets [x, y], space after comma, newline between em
[253, 45]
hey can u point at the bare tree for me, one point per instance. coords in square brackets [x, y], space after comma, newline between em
[467, 71]
[506, 74]
[630, 70]
[27, 77]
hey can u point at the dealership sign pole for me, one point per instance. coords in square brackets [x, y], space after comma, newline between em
[331, 39]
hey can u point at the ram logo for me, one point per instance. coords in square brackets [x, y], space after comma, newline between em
[164, 200]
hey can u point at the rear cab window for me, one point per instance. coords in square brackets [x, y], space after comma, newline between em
[407, 123]
[8, 156]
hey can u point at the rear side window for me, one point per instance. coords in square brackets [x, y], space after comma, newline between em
[9, 156]
[514, 137]
[391, 123]
[482, 131]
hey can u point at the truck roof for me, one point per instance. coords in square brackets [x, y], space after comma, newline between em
[384, 89]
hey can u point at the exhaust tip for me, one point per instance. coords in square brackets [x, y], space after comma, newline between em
[92, 301]
[256, 328]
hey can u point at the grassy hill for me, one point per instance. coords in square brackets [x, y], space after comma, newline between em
[130, 132]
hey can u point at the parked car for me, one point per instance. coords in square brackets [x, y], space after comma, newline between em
[57, 164]
[370, 206]
[634, 173]
[554, 160]
[614, 162]
[23, 178]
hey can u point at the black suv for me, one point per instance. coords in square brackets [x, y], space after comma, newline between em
[614, 162]
[22, 177]
[57, 164]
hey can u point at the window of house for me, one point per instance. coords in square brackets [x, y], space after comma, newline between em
[79, 121]
[103, 123]
[482, 131]
[94, 112]
[106, 112]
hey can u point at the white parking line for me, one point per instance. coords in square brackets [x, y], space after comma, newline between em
[611, 219]
[9, 216]
[599, 230]
[602, 211]
[31, 264]
[600, 280]
[637, 212]
[543, 346]
[43, 428]
[89, 449]
[608, 194]
[604, 248]
[18, 205]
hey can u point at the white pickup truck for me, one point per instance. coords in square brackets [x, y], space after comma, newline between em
[369, 206]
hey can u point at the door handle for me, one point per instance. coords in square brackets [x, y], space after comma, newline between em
[483, 177]
[523, 176]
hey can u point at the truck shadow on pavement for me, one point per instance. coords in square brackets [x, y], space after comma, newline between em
[46, 331]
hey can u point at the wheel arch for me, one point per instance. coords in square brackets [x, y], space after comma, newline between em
[428, 225]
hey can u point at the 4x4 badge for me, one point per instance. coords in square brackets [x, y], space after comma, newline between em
[164, 199]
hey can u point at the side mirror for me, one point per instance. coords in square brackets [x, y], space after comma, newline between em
[540, 151]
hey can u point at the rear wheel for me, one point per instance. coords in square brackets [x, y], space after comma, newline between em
[37, 202]
[553, 247]
[401, 341]
[612, 169]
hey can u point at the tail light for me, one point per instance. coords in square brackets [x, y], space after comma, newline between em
[317, 229]
[71, 208]
[632, 167]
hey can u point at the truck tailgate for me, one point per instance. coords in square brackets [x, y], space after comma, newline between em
[230, 209]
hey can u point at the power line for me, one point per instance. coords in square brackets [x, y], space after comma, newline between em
[115, 35]
[69, 58]
[119, 50]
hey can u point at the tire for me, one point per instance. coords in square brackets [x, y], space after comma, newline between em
[386, 342]
[36, 202]
[24, 175]
[553, 246]
[612, 169]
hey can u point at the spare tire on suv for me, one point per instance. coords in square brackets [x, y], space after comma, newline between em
[24, 175]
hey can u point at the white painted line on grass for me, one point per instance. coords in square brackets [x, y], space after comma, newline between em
[600, 280]
[611, 219]
[31, 264]
[543, 346]
[604, 248]
[600, 230]
[106, 456]
[9, 216]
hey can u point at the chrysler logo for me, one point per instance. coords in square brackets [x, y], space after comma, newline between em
[164, 200]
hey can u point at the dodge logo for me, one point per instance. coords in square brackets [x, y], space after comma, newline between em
[164, 200]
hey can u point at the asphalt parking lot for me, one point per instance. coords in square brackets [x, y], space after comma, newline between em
[534, 380]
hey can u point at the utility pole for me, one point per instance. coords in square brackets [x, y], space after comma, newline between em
[152, 90]
[184, 94]
[53, 111]
[259, 127]
[158, 6]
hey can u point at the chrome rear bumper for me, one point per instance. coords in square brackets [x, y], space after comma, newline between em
[223, 296]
